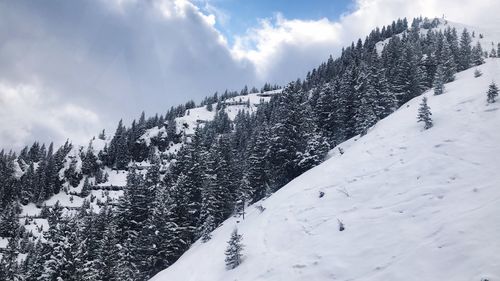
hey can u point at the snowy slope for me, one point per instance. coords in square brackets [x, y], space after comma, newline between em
[188, 123]
[417, 205]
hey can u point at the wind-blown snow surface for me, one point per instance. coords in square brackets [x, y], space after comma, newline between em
[417, 204]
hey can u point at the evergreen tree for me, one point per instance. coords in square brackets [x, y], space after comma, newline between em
[27, 185]
[465, 50]
[233, 250]
[9, 268]
[492, 93]
[59, 249]
[118, 148]
[410, 80]
[439, 81]
[89, 162]
[424, 114]
[163, 234]
[257, 172]
[325, 109]
[477, 55]
[366, 94]
[286, 135]
[493, 52]
[243, 195]
[447, 62]
[9, 221]
[86, 188]
[108, 253]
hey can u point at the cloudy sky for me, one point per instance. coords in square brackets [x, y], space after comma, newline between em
[71, 68]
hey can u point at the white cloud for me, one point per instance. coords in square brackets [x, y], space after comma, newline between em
[27, 109]
[282, 49]
[114, 58]
[90, 63]
[280, 43]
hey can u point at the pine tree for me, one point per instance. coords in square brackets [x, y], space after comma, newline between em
[286, 135]
[108, 253]
[477, 54]
[324, 109]
[165, 236]
[384, 100]
[59, 249]
[424, 114]
[233, 250]
[243, 196]
[465, 50]
[86, 188]
[118, 148]
[9, 268]
[9, 220]
[257, 173]
[493, 53]
[410, 79]
[439, 81]
[492, 93]
[447, 62]
[89, 162]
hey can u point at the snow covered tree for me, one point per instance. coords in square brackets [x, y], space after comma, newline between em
[447, 62]
[165, 239]
[243, 196]
[465, 50]
[108, 254]
[324, 108]
[365, 93]
[493, 52]
[424, 114]
[9, 268]
[9, 221]
[59, 250]
[492, 93]
[118, 148]
[477, 73]
[233, 250]
[257, 172]
[89, 162]
[477, 54]
[86, 188]
[410, 80]
[439, 81]
[286, 135]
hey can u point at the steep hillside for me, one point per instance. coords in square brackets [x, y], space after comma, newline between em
[416, 204]
[131, 203]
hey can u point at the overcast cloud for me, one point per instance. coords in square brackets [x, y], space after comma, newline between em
[71, 68]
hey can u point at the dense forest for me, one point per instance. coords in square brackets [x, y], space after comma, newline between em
[220, 169]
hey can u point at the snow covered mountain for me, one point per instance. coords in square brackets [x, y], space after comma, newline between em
[416, 204]
[400, 202]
